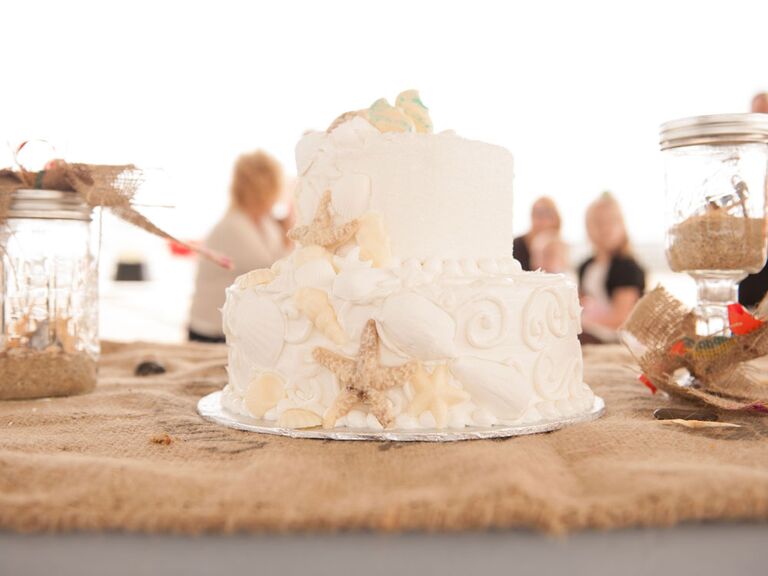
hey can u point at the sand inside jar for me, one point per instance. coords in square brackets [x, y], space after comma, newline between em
[717, 240]
[26, 373]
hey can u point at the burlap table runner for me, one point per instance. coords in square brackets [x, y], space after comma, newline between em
[135, 456]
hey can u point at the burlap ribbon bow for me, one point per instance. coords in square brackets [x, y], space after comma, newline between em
[714, 370]
[111, 187]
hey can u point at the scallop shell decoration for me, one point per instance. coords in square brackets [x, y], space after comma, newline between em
[255, 278]
[314, 304]
[351, 196]
[307, 254]
[317, 273]
[258, 326]
[364, 284]
[263, 394]
[307, 149]
[418, 328]
[299, 418]
[498, 388]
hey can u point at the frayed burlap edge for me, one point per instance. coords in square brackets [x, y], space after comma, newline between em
[660, 333]
[106, 186]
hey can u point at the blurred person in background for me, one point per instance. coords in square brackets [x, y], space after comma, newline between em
[544, 218]
[753, 287]
[549, 253]
[610, 281]
[248, 233]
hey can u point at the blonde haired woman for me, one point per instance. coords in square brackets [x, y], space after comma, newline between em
[610, 281]
[247, 233]
[545, 219]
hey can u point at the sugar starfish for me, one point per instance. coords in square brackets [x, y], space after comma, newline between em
[363, 379]
[434, 392]
[321, 231]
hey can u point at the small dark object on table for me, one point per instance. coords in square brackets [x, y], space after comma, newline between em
[149, 368]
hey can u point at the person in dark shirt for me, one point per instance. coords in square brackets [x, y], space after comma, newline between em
[753, 287]
[610, 281]
[544, 218]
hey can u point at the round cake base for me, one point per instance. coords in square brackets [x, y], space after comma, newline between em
[210, 408]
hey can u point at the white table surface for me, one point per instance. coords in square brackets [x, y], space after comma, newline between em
[701, 550]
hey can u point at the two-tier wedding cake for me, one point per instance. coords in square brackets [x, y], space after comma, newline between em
[402, 306]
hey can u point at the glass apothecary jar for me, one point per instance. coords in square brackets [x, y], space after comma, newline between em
[49, 300]
[716, 185]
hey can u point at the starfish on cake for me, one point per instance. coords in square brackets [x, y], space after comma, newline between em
[322, 231]
[363, 379]
[435, 393]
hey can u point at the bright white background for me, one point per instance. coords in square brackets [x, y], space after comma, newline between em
[576, 90]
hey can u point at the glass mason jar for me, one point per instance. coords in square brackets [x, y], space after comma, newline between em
[716, 186]
[49, 300]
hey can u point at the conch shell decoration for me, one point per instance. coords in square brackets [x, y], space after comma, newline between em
[314, 304]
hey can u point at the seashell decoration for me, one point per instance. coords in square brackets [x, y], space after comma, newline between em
[307, 254]
[364, 284]
[410, 103]
[314, 303]
[258, 327]
[263, 394]
[498, 388]
[317, 273]
[373, 240]
[255, 278]
[307, 149]
[343, 119]
[351, 196]
[298, 327]
[417, 327]
[299, 418]
[240, 369]
[388, 118]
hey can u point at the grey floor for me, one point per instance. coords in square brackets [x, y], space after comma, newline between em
[701, 550]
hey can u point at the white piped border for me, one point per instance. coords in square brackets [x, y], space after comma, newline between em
[210, 408]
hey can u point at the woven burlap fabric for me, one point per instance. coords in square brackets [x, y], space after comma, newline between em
[102, 461]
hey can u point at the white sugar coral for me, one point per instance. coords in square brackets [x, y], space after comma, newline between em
[314, 304]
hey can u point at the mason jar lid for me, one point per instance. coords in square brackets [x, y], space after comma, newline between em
[715, 129]
[52, 204]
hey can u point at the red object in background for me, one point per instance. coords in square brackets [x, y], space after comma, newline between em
[179, 249]
[647, 381]
[741, 321]
[678, 348]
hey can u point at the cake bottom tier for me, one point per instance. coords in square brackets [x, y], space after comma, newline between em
[336, 343]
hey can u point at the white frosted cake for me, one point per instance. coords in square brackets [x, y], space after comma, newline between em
[402, 306]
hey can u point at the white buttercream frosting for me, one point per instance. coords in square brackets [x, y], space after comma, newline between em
[508, 338]
[429, 261]
[440, 195]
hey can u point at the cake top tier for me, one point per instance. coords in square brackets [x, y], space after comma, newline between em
[422, 195]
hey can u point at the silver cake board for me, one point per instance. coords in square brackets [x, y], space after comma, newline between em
[211, 408]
